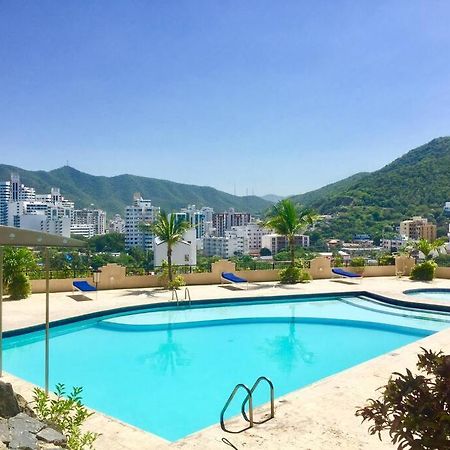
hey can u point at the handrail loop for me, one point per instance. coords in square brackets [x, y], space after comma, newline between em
[249, 397]
[175, 295]
[187, 295]
[250, 408]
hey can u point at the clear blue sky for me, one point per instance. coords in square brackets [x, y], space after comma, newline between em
[270, 96]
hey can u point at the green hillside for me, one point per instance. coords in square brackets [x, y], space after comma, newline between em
[318, 195]
[113, 193]
[418, 183]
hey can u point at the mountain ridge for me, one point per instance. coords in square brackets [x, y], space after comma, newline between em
[416, 183]
[113, 193]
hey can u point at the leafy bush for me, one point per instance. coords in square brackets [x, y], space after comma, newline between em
[163, 276]
[386, 260]
[67, 413]
[338, 261]
[17, 262]
[176, 283]
[19, 287]
[292, 275]
[423, 271]
[414, 409]
[358, 261]
[443, 260]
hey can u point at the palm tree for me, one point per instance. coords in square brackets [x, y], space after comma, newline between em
[428, 248]
[289, 220]
[170, 230]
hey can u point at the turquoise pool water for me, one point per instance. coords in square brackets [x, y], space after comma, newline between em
[432, 294]
[170, 371]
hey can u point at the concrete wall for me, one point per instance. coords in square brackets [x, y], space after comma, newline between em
[378, 271]
[113, 276]
[443, 272]
[403, 265]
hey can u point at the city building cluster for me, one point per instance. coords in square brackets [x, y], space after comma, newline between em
[22, 207]
[224, 234]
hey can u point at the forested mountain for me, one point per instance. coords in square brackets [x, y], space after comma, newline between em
[113, 193]
[417, 183]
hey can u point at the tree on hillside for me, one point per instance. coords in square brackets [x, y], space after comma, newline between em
[289, 220]
[170, 230]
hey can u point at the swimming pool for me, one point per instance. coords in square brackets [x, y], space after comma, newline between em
[431, 293]
[170, 370]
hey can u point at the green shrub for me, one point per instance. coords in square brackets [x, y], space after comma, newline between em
[176, 283]
[443, 260]
[358, 261]
[414, 408]
[19, 287]
[67, 413]
[423, 271]
[292, 275]
[338, 261]
[386, 260]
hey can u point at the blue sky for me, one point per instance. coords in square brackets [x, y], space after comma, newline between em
[268, 96]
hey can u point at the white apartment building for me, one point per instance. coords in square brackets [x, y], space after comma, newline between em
[141, 211]
[88, 219]
[183, 252]
[19, 191]
[5, 194]
[200, 219]
[116, 225]
[49, 213]
[393, 245]
[277, 242]
[447, 208]
[85, 230]
[253, 233]
[224, 246]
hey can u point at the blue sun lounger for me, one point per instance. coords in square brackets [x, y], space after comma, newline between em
[83, 286]
[233, 278]
[344, 273]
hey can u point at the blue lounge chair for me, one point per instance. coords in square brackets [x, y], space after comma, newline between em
[83, 286]
[344, 273]
[233, 278]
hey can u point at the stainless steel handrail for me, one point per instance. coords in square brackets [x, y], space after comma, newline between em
[175, 295]
[250, 408]
[249, 397]
[187, 295]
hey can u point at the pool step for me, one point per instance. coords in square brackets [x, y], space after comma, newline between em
[248, 399]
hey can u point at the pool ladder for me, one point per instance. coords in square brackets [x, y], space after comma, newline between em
[248, 399]
[187, 296]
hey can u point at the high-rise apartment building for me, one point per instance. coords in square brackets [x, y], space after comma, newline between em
[253, 234]
[141, 211]
[418, 228]
[224, 246]
[200, 219]
[277, 242]
[50, 213]
[88, 221]
[225, 220]
[116, 225]
[5, 195]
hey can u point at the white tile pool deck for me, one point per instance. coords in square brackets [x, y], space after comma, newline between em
[320, 416]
